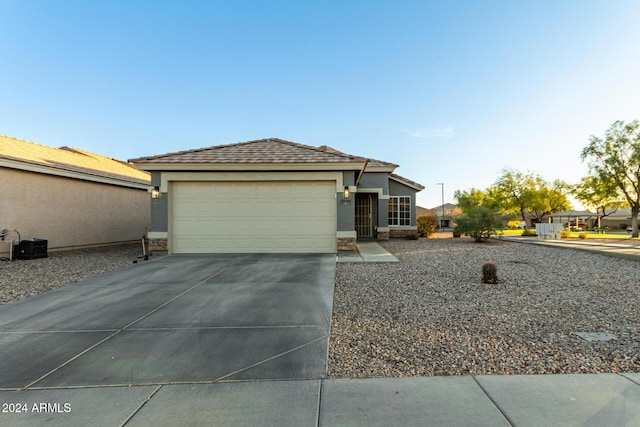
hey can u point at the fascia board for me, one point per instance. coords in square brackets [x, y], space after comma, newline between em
[250, 167]
[406, 184]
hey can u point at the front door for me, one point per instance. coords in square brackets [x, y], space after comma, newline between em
[363, 216]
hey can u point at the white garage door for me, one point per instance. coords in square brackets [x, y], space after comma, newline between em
[272, 216]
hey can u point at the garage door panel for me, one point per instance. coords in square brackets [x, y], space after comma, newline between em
[209, 217]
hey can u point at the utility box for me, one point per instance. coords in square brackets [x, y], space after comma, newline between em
[32, 249]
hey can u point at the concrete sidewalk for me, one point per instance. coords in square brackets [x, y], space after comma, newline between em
[500, 400]
[619, 250]
[368, 252]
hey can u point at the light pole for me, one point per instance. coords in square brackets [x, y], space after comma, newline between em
[442, 219]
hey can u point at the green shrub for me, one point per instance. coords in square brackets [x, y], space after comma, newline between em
[426, 225]
[480, 223]
[456, 231]
[623, 226]
[582, 236]
[414, 236]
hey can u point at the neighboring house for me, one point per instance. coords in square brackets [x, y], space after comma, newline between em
[69, 197]
[272, 195]
[445, 218]
[621, 218]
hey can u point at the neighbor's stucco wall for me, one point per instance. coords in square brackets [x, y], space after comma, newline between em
[70, 212]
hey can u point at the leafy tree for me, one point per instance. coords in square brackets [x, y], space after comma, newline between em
[598, 194]
[615, 161]
[480, 217]
[530, 195]
[480, 223]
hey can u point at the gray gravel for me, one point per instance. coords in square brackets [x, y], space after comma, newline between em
[22, 278]
[430, 314]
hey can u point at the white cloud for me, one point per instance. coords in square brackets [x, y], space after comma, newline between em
[444, 132]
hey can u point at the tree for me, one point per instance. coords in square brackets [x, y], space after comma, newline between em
[598, 194]
[480, 217]
[480, 223]
[615, 161]
[530, 195]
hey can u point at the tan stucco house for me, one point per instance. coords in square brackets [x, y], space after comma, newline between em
[69, 197]
[272, 195]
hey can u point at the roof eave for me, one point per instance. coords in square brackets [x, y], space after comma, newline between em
[300, 166]
[408, 183]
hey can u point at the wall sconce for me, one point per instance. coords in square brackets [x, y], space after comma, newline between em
[155, 193]
[346, 192]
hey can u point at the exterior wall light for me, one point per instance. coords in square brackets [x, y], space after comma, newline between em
[155, 193]
[346, 192]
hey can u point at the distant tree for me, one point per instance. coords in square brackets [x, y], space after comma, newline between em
[530, 195]
[598, 194]
[615, 161]
[481, 217]
[480, 223]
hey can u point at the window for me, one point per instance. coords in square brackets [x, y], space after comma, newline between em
[400, 210]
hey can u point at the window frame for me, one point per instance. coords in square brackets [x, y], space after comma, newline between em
[399, 211]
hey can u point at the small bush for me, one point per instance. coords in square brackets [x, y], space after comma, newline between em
[413, 236]
[565, 234]
[582, 236]
[426, 225]
[456, 231]
[513, 224]
[623, 226]
[529, 233]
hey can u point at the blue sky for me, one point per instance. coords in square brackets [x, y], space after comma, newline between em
[452, 91]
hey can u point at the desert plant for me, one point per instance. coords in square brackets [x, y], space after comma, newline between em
[480, 223]
[489, 273]
[426, 225]
[582, 236]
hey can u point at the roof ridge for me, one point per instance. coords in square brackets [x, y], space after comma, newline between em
[255, 141]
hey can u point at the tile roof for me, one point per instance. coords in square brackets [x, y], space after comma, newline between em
[70, 159]
[270, 150]
[370, 161]
[406, 181]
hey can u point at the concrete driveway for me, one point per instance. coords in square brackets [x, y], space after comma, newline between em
[181, 319]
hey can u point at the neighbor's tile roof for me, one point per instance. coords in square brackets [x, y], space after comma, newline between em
[70, 159]
[271, 150]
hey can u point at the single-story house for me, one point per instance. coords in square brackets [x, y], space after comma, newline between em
[446, 214]
[272, 195]
[69, 197]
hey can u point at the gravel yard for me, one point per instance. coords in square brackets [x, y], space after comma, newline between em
[430, 314]
[22, 278]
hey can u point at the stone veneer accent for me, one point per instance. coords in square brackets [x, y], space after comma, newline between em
[347, 244]
[401, 233]
[157, 244]
[383, 235]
